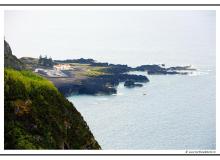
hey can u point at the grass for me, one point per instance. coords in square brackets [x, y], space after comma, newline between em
[95, 71]
[28, 80]
[78, 64]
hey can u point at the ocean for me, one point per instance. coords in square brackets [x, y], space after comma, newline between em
[174, 112]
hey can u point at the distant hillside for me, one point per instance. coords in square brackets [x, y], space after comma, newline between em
[37, 116]
[33, 63]
[29, 62]
[10, 60]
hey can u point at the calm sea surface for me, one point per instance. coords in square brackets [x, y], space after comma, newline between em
[169, 112]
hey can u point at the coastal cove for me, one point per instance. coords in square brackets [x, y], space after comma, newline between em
[127, 107]
[115, 79]
[134, 118]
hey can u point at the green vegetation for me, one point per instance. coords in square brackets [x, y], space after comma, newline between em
[95, 71]
[45, 62]
[78, 64]
[37, 116]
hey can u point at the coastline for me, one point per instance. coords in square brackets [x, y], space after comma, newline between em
[109, 76]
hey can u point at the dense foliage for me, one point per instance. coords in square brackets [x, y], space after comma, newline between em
[46, 62]
[37, 116]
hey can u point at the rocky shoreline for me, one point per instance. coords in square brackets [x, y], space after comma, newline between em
[113, 75]
[87, 76]
[104, 84]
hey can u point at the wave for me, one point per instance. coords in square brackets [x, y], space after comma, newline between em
[118, 94]
[199, 73]
[102, 99]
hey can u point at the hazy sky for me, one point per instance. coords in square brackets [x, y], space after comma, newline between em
[120, 36]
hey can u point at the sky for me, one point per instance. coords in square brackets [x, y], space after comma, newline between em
[118, 36]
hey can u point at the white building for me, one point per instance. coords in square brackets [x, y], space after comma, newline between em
[50, 72]
[62, 67]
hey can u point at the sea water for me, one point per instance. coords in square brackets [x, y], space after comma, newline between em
[169, 112]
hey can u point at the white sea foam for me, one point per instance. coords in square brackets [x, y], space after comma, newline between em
[102, 99]
[120, 94]
[198, 73]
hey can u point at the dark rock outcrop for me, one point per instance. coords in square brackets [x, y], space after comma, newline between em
[117, 69]
[116, 78]
[130, 84]
[181, 68]
[157, 69]
[120, 69]
[103, 84]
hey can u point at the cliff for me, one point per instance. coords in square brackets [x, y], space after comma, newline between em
[37, 115]
[10, 60]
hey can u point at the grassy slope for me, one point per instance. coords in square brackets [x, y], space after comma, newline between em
[95, 71]
[37, 116]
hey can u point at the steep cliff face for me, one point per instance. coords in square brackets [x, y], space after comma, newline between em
[38, 116]
[10, 60]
